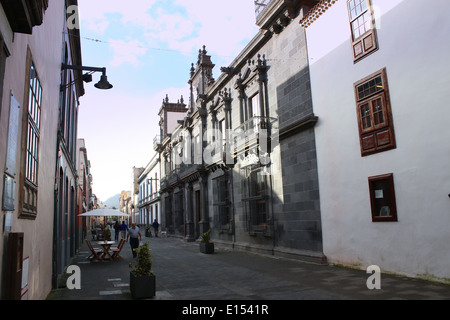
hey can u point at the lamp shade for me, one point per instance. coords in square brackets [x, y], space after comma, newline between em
[103, 83]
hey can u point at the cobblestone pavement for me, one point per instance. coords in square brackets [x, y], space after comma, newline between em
[185, 274]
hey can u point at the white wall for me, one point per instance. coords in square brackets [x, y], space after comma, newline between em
[172, 120]
[414, 48]
[45, 45]
[147, 193]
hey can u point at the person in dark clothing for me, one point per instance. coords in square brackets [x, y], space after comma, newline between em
[156, 227]
[116, 230]
[123, 229]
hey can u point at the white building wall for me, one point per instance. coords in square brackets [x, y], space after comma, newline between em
[149, 192]
[45, 45]
[413, 49]
[172, 120]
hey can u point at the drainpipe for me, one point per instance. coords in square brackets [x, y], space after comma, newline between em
[272, 211]
[55, 220]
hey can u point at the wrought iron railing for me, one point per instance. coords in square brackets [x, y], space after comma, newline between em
[260, 6]
[250, 130]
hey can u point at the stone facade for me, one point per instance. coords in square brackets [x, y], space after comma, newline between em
[242, 161]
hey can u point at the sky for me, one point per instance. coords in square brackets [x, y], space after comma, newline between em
[147, 48]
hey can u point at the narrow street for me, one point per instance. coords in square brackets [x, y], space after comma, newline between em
[298, 129]
[185, 274]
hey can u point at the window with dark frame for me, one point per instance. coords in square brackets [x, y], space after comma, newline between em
[198, 150]
[255, 197]
[254, 109]
[222, 132]
[29, 191]
[375, 121]
[363, 30]
[221, 202]
[382, 198]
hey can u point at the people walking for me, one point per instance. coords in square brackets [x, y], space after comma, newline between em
[116, 230]
[134, 233]
[156, 227]
[123, 229]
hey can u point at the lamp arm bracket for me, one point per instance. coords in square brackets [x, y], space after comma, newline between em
[83, 68]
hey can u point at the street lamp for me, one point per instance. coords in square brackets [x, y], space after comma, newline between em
[103, 84]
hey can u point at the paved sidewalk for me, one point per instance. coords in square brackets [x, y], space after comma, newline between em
[183, 273]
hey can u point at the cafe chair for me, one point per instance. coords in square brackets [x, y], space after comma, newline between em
[116, 250]
[95, 253]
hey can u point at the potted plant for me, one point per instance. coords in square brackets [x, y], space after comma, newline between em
[148, 233]
[142, 279]
[205, 245]
[107, 234]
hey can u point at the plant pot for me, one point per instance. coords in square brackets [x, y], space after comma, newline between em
[207, 248]
[142, 287]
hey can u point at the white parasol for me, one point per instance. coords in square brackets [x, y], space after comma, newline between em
[105, 212]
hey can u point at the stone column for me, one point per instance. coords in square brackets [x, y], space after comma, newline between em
[178, 218]
[228, 156]
[261, 68]
[189, 214]
[204, 222]
[242, 112]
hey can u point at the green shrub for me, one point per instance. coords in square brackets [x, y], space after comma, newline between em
[144, 262]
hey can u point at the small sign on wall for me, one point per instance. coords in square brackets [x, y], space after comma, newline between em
[13, 130]
[9, 186]
[7, 223]
[379, 194]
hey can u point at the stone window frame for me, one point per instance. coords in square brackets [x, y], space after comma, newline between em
[254, 105]
[221, 202]
[257, 221]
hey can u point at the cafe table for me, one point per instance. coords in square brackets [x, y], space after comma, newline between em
[106, 245]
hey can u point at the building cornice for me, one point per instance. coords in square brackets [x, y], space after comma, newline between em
[24, 15]
[273, 20]
[316, 12]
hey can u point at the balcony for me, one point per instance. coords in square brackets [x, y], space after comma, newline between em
[157, 142]
[275, 15]
[148, 199]
[260, 6]
[250, 132]
[24, 15]
[182, 172]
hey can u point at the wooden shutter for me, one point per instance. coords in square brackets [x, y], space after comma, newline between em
[363, 44]
[375, 122]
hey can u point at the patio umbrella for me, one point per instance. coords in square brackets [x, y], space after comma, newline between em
[104, 213]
